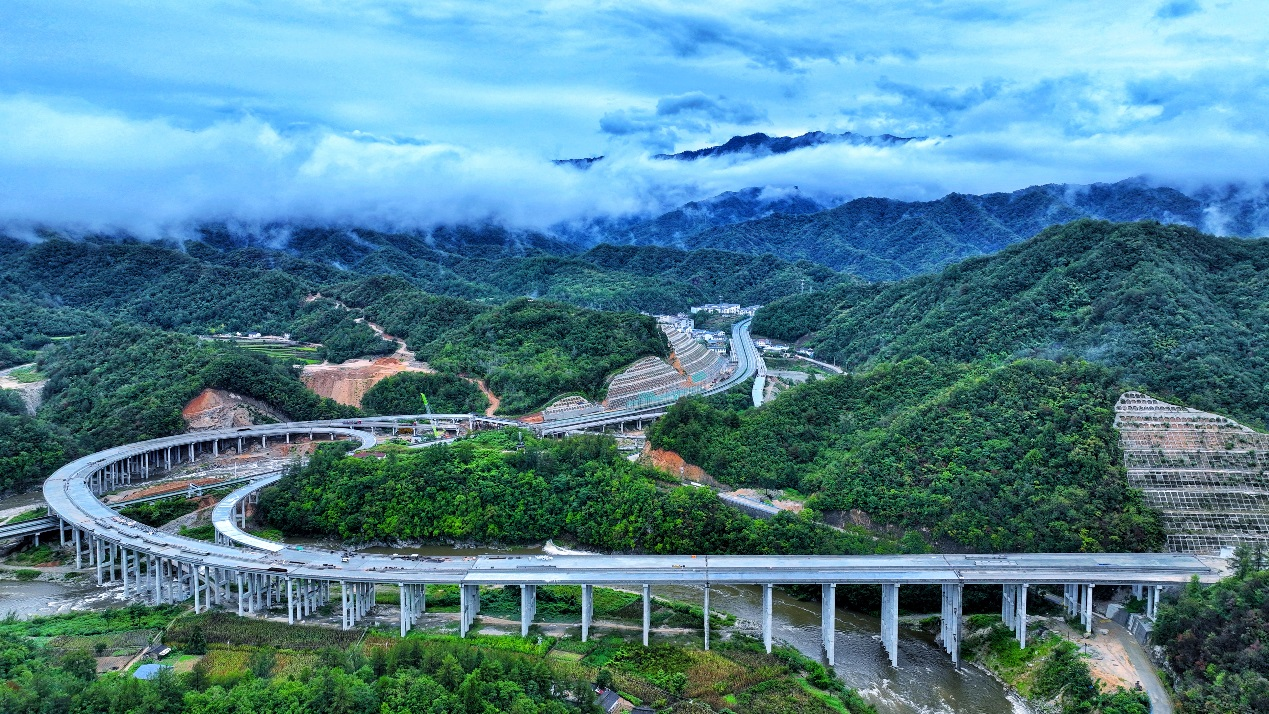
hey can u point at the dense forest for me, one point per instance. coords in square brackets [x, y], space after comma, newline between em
[1021, 457]
[30, 448]
[225, 664]
[529, 351]
[1217, 642]
[484, 489]
[1182, 314]
[447, 394]
[129, 383]
[414, 675]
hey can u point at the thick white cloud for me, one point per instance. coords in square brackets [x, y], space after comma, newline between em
[153, 115]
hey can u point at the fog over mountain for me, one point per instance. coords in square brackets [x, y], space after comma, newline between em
[402, 116]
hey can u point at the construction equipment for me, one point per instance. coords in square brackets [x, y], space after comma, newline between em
[427, 408]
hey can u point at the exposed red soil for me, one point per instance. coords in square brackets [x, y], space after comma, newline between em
[347, 383]
[673, 464]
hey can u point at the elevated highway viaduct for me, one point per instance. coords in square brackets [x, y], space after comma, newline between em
[251, 575]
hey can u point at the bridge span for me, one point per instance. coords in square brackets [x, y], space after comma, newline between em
[253, 574]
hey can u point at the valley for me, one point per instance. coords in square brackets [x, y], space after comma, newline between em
[954, 432]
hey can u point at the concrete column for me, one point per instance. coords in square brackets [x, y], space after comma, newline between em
[890, 622]
[194, 585]
[766, 616]
[343, 594]
[467, 608]
[647, 612]
[528, 607]
[98, 547]
[1006, 605]
[1021, 616]
[705, 609]
[403, 599]
[290, 602]
[828, 620]
[588, 609]
[79, 553]
[1088, 609]
[952, 611]
[123, 571]
[215, 447]
[241, 594]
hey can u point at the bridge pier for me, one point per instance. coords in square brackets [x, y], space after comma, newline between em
[766, 616]
[528, 607]
[1086, 608]
[1014, 611]
[588, 610]
[469, 607]
[890, 622]
[950, 632]
[828, 620]
[647, 612]
[705, 609]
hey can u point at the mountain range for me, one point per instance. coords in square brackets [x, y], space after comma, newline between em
[889, 239]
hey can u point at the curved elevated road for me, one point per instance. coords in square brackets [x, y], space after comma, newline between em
[165, 568]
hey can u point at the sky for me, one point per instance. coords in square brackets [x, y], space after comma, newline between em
[153, 116]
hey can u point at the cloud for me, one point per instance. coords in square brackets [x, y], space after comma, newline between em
[1177, 9]
[96, 170]
[395, 112]
[717, 108]
[660, 129]
[696, 34]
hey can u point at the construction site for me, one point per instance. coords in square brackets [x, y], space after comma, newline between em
[691, 367]
[1207, 474]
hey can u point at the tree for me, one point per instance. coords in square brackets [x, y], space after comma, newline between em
[80, 664]
[197, 643]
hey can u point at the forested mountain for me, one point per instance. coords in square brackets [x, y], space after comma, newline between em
[129, 383]
[1022, 457]
[887, 239]
[1182, 314]
[530, 351]
[491, 489]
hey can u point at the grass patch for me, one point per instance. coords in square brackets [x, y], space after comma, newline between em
[229, 629]
[206, 532]
[30, 515]
[133, 617]
[38, 555]
[26, 574]
[27, 375]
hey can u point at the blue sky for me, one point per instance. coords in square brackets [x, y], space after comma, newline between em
[152, 115]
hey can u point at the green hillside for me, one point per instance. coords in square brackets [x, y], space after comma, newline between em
[1180, 313]
[530, 351]
[1022, 457]
[129, 383]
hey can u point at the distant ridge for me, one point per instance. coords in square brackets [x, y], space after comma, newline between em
[578, 163]
[761, 144]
